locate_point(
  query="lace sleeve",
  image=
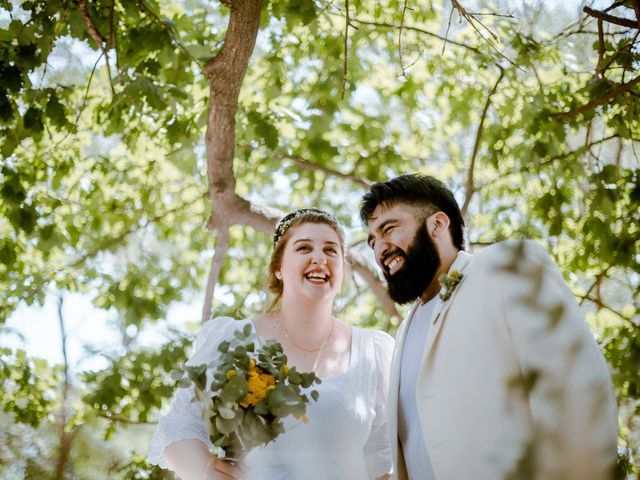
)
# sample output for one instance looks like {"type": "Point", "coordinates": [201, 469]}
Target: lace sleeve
{"type": "Point", "coordinates": [184, 419]}
{"type": "Point", "coordinates": [377, 450]}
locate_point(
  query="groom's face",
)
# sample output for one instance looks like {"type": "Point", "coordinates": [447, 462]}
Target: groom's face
{"type": "Point", "coordinates": [404, 251]}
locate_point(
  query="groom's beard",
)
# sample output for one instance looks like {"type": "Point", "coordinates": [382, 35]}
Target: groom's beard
{"type": "Point", "coordinates": [421, 262]}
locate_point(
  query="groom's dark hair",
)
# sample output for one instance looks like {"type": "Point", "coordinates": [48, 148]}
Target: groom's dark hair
{"type": "Point", "coordinates": [421, 191]}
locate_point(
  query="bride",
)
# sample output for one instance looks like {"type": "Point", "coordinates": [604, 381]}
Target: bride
{"type": "Point", "coordinates": [346, 435]}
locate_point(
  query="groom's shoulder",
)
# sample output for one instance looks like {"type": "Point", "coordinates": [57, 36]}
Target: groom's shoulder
{"type": "Point", "coordinates": [510, 248]}
{"type": "Point", "coordinates": [509, 252]}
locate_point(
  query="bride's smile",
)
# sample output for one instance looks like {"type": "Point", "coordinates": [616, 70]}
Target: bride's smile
{"type": "Point", "coordinates": [312, 263]}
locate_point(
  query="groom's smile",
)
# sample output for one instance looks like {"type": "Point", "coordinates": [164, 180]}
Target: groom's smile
{"type": "Point", "coordinates": [393, 261]}
{"type": "Point", "coordinates": [403, 250]}
{"type": "Point", "coordinates": [391, 232]}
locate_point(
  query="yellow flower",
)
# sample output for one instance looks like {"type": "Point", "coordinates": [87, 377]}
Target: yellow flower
{"type": "Point", "coordinates": [285, 369]}
{"type": "Point", "coordinates": [258, 383]}
{"type": "Point", "coordinates": [268, 379]}
{"type": "Point", "coordinates": [230, 374]}
{"type": "Point", "coordinates": [252, 363]}
{"type": "Point", "coordinates": [248, 401]}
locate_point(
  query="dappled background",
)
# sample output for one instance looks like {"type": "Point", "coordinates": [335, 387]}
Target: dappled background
{"type": "Point", "coordinates": [148, 147]}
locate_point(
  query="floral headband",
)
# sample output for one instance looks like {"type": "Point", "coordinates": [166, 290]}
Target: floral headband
{"type": "Point", "coordinates": [286, 221]}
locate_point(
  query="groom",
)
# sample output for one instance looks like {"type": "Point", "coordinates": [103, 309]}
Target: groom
{"type": "Point", "coordinates": [495, 374]}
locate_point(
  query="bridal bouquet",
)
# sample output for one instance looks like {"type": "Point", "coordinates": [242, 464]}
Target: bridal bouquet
{"type": "Point", "coordinates": [252, 390]}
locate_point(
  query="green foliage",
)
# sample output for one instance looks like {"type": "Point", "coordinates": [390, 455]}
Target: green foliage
{"type": "Point", "coordinates": [624, 357]}
{"type": "Point", "coordinates": [103, 177]}
{"type": "Point", "coordinates": [135, 384]}
{"type": "Point", "coordinates": [28, 387]}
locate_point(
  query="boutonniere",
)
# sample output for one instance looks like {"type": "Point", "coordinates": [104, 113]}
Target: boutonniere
{"type": "Point", "coordinates": [449, 283]}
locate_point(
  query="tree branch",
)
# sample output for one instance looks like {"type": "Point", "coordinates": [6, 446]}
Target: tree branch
{"type": "Point", "coordinates": [614, 92]}
{"type": "Point", "coordinates": [446, 33]}
{"type": "Point", "coordinates": [103, 45]}
{"type": "Point", "coordinates": [470, 185]}
{"type": "Point", "coordinates": [580, 150]}
{"type": "Point", "coordinates": [404, 10]}
{"type": "Point", "coordinates": [601, 50]}
{"type": "Point", "coordinates": [417, 30]}
{"type": "Point", "coordinates": [596, 282]}
{"type": "Point", "coordinates": [471, 19]}
{"type": "Point", "coordinates": [63, 339]}
{"type": "Point", "coordinates": [222, 244]}
{"type": "Point", "coordinates": [307, 165]}
{"type": "Point", "coordinates": [113, 38]}
{"type": "Point", "coordinates": [226, 72]}
{"type": "Point", "coordinates": [623, 22]}
{"type": "Point", "coordinates": [636, 8]}
{"type": "Point", "coordinates": [601, 304]}
{"type": "Point", "coordinates": [346, 48]}
{"type": "Point", "coordinates": [239, 211]}
{"type": "Point", "coordinates": [83, 105]}
{"type": "Point", "coordinates": [66, 438]}
{"type": "Point", "coordinates": [91, 28]}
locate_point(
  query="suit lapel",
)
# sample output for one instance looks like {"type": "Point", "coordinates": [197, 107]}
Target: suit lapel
{"type": "Point", "coordinates": [441, 307]}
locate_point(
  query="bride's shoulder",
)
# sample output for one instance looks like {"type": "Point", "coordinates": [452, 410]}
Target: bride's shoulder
{"type": "Point", "coordinates": [381, 340]}
{"type": "Point", "coordinates": [216, 328]}
{"type": "Point", "coordinates": [379, 348]}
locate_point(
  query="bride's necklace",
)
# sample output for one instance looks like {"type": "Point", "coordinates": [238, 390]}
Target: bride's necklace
{"type": "Point", "coordinates": [314, 350]}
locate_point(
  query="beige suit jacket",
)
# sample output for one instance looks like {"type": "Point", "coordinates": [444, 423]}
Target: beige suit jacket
{"type": "Point", "coordinates": [512, 383]}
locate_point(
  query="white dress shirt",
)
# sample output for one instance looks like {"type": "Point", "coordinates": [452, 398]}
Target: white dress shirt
{"type": "Point", "coordinates": [414, 449]}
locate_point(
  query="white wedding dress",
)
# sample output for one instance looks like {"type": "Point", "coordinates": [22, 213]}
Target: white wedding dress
{"type": "Point", "coordinates": [345, 438]}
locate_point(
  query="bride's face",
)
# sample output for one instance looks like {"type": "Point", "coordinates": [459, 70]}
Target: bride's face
{"type": "Point", "coordinates": [312, 263]}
